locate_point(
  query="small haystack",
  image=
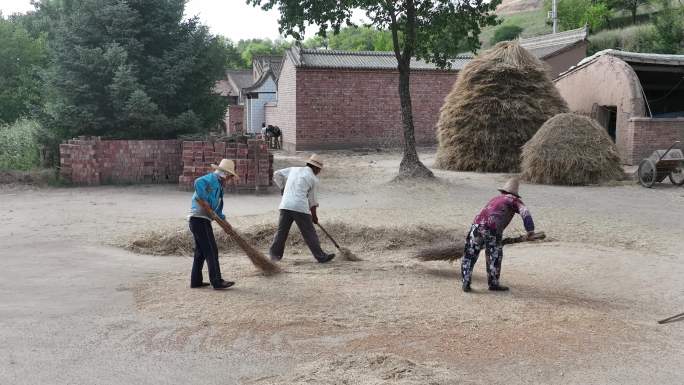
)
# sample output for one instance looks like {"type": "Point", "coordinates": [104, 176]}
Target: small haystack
{"type": "Point", "coordinates": [571, 149]}
{"type": "Point", "coordinates": [498, 102]}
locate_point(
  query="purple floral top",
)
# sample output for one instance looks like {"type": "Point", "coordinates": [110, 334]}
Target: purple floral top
{"type": "Point", "coordinates": [499, 212]}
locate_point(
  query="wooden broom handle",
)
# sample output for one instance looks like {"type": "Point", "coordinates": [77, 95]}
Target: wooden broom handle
{"type": "Point", "coordinates": [329, 236]}
{"type": "Point", "coordinates": [222, 222]}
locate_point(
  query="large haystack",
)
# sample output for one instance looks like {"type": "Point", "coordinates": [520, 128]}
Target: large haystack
{"type": "Point", "coordinates": [571, 149]}
{"type": "Point", "coordinates": [498, 102]}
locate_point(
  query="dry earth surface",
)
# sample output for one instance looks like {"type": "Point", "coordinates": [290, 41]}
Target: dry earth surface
{"type": "Point", "coordinates": [77, 309]}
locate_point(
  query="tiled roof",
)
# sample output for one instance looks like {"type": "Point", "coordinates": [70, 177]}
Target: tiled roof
{"type": "Point", "coordinates": [321, 58]}
{"type": "Point", "coordinates": [261, 63]}
{"type": "Point", "coordinates": [635, 57]}
{"type": "Point", "coordinates": [239, 79]}
{"type": "Point", "coordinates": [540, 46]}
{"type": "Point", "coordinates": [546, 45]}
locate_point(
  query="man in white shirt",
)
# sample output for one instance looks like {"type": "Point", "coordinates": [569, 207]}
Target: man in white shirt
{"type": "Point", "coordinates": [299, 187]}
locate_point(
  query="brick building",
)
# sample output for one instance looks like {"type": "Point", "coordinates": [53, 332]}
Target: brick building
{"type": "Point", "coordinates": [328, 99]}
{"type": "Point", "coordinates": [638, 98]}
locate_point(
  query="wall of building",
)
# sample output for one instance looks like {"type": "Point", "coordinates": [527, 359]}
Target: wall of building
{"type": "Point", "coordinates": [608, 81]}
{"type": "Point", "coordinates": [283, 113]}
{"type": "Point", "coordinates": [338, 109]}
{"type": "Point", "coordinates": [254, 107]}
{"type": "Point", "coordinates": [566, 59]}
{"type": "Point", "coordinates": [650, 134]}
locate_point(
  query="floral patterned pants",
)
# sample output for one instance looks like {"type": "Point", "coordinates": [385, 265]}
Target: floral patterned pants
{"type": "Point", "coordinates": [479, 237]}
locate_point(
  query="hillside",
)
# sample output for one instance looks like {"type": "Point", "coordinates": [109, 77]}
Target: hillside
{"type": "Point", "coordinates": [508, 7]}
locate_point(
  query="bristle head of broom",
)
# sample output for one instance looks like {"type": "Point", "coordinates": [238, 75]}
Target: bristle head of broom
{"type": "Point", "coordinates": [348, 255]}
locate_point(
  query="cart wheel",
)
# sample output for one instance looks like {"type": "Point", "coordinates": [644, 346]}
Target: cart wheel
{"type": "Point", "coordinates": [677, 176]}
{"type": "Point", "coordinates": [647, 173]}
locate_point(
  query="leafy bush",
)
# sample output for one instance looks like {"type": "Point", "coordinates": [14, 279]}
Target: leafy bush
{"type": "Point", "coordinates": [576, 13]}
{"type": "Point", "coordinates": [669, 29]}
{"type": "Point", "coordinates": [637, 38]}
{"type": "Point", "coordinates": [19, 149]}
{"type": "Point", "coordinates": [506, 32]}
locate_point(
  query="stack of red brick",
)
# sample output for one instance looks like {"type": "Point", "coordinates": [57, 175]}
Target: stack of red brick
{"type": "Point", "coordinates": [253, 163]}
{"type": "Point", "coordinates": [92, 161]}
{"type": "Point", "coordinates": [78, 162]}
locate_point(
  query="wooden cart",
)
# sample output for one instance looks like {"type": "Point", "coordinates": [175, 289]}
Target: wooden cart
{"type": "Point", "coordinates": [662, 163]}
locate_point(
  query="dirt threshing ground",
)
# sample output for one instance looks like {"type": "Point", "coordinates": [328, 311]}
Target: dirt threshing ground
{"type": "Point", "coordinates": [76, 309]}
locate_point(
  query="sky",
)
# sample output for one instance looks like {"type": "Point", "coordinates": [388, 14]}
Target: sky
{"type": "Point", "coordinates": [233, 19]}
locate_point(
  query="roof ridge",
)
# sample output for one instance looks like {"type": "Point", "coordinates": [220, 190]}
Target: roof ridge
{"type": "Point", "coordinates": [318, 51]}
{"type": "Point", "coordinates": [334, 52]}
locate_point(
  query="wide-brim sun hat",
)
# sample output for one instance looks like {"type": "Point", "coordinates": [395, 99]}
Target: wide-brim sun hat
{"type": "Point", "coordinates": [511, 187]}
{"type": "Point", "coordinates": [227, 166]}
{"type": "Point", "coordinates": [315, 161]}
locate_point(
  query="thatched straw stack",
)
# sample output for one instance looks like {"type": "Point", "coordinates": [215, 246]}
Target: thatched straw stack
{"type": "Point", "coordinates": [571, 149]}
{"type": "Point", "coordinates": [498, 102]}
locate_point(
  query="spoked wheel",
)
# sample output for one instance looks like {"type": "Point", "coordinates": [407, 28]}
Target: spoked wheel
{"type": "Point", "coordinates": [647, 173]}
{"type": "Point", "coordinates": [677, 176]}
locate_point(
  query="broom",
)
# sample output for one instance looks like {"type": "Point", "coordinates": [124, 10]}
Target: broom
{"type": "Point", "coordinates": [453, 251]}
{"type": "Point", "coordinates": [258, 259]}
{"type": "Point", "coordinates": [344, 252]}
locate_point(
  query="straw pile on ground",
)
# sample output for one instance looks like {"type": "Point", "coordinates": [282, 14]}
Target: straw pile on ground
{"type": "Point", "coordinates": [571, 149]}
{"type": "Point", "coordinates": [179, 241]}
{"type": "Point", "coordinates": [498, 102]}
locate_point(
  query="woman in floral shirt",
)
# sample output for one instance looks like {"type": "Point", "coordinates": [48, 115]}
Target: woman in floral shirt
{"type": "Point", "coordinates": [486, 231]}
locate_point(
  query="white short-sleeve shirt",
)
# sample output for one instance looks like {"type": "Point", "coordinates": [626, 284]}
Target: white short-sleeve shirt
{"type": "Point", "coordinates": [299, 186]}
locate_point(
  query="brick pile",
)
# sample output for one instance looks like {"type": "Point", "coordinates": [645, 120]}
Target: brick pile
{"type": "Point", "coordinates": [253, 163]}
{"type": "Point", "coordinates": [78, 162]}
{"type": "Point", "coordinates": [92, 161]}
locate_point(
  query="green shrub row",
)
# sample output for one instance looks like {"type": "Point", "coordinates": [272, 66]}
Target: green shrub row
{"type": "Point", "coordinates": [19, 147]}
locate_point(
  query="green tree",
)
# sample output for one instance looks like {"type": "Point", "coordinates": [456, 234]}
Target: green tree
{"type": "Point", "coordinates": [506, 32]}
{"type": "Point", "coordinates": [131, 69]}
{"type": "Point", "coordinates": [233, 56]}
{"type": "Point", "coordinates": [668, 28]}
{"type": "Point", "coordinates": [434, 30]}
{"type": "Point", "coordinates": [628, 5]}
{"type": "Point", "coordinates": [252, 47]}
{"type": "Point", "coordinates": [21, 58]}
{"type": "Point", "coordinates": [578, 13]}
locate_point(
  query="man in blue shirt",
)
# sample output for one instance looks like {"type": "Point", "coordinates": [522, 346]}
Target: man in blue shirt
{"type": "Point", "coordinates": [210, 189]}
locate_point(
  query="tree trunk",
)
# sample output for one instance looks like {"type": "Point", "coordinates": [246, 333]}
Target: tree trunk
{"type": "Point", "coordinates": [634, 14]}
{"type": "Point", "coordinates": [410, 166]}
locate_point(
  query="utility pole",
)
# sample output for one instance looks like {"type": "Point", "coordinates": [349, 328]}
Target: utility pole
{"type": "Point", "coordinates": [554, 17]}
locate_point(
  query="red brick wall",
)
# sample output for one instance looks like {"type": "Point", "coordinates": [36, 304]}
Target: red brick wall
{"type": "Point", "coordinates": [91, 161]}
{"type": "Point", "coordinates": [253, 163]}
{"type": "Point", "coordinates": [234, 119]}
{"type": "Point", "coordinates": [648, 134]}
{"type": "Point", "coordinates": [344, 109]}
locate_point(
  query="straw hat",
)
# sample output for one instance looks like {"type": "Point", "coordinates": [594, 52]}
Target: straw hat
{"type": "Point", "coordinates": [511, 187]}
{"type": "Point", "coordinates": [227, 166]}
{"type": "Point", "coordinates": [316, 161]}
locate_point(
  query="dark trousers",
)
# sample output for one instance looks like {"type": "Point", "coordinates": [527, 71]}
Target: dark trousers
{"type": "Point", "coordinates": [305, 224]}
{"type": "Point", "coordinates": [480, 237]}
{"type": "Point", "coordinates": [205, 250]}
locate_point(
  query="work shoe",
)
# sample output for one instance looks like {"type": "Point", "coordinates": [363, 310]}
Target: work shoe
{"type": "Point", "coordinates": [224, 285]}
{"type": "Point", "coordinates": [203, 284]}
{"type": "Point", "coordinates": [466, 287]}
{"type": "Point", "coordinates": [327, 258]}
{"type": "Point", "coordinates": [498, 288]}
